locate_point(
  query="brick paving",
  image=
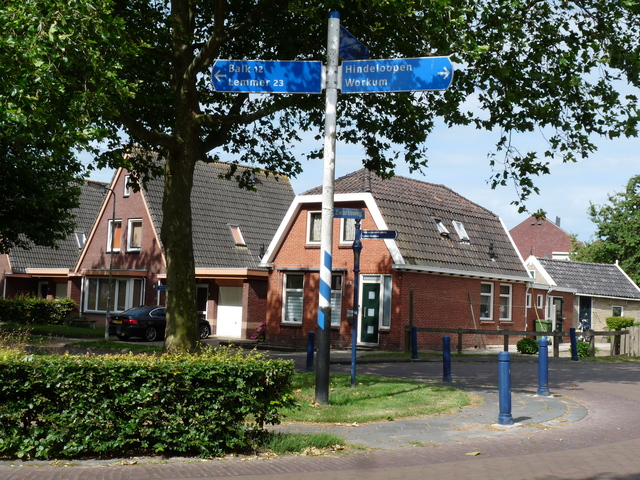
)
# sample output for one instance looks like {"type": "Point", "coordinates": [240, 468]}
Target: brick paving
{"type": "Point", "coordinates": [589, 430]}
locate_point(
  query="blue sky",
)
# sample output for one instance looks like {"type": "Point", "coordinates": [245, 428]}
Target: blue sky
{"type": "Point", "coordinates": [458, 159]}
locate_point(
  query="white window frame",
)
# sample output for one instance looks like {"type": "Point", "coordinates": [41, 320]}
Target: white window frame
{"type": "Point", "coordinates": [442, 230]}
{"type": "Point", "coordinates": [540, 301]}
{"type": "Point", "coordinates": [529, 300]}
{"type": "Point", "coordinates": [110, 229]}
{"type": "Point", "coordinates": [461, 231]}
{"type": "Point", "coordinates": [127, 186]}
{"type": "Point", "coordinates": [508, 297]}
{"type": "Point", "coordinates": [81, 239]}
{"type": "Point", "coordinates": [347, 225]}
{"type": "Point", "coordinates": [489, 297]}
{"type": "Point", "coordinates": [613, 307]}
{"type": "Point", "coordinates": [310, 216]}
{"type": "Point", "coordinates": [286, 292]}
{"type": "Point", "coordinates": [337, 280]}
{"type": "Point", "coordinates": [119, 283]}
{"type": "Point", "coordinates": [238, 238]}
{"type": "Point", "coordinates": [131, 248]}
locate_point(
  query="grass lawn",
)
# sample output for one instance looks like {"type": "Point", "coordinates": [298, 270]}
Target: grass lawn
{"type": "Point", "coordinates": [373, 399]}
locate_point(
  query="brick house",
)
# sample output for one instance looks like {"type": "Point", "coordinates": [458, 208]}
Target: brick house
{"type": "Point", "coordinates": [231, 229]}
{"type": "Point", "coordinates": [541, 238]}
{"type": "Point", "coordinates": [48, 272]}
{"type": "Point", "coordinates": [568, 291]}
{"type": "Point", "coordinates": [453, 265]}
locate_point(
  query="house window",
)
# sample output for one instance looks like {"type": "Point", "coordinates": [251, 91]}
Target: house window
{"type": "Point", "coordinates": [81, 239]}
{"type": "Point", "coordinates": [237, 235]}
{"type": "Point", "coordinates": [529, 300]}
{"type": "Point", "coordinates": [314, 224]}
{"type": "Point", "coordinates": [348, 230]}
{"type": "Point", "coordinates": [134, 235]}
{"type": "Point", "coordinates": [115, 230]}
{"type": "Point", "coordinates": [460, 230]}
{"type": "Point", "coordinates": [292, 298]}
{"type": "Point", "coordinates": [617, 311]}
{"type": "Point", "coordinates": [540, 302]}
{"type": "Point", "coordinates": [486, 301]}
{"type": "Point", "coordinates": [127, 186]}
{"type": "Point", "coordinates": [442, 230]}
{"type": "Point", "coordinates": [532, 274]}
{"type": "Point", "coordinates": [336, 300]}
{"type": "Point", "coordinates": [125, 293]}
{"type": "Point", "coordinates": [505, 303]}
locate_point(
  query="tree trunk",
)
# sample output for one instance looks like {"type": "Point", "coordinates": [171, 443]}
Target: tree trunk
{"type": "Point", "coordinates": [182, 330]}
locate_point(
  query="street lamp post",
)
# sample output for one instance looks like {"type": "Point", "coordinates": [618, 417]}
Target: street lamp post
{"type": "Point", "coordinates": [113, 228]}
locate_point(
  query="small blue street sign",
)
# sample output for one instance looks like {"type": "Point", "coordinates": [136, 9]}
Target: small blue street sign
{"type": "Point", "coordinates": [356, 213]}
{"type": "Point", "coordinates": [379, 234]}
{"type": "Point", "coordinates": [256, 76]}
{"type": "Point", "coordinates": [396, 75]}
{"type": "Point", "coordinates": [161, 287]}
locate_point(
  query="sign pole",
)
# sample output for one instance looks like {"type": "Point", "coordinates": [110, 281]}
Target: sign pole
{"type": "Point", "coordinates": [357, 248]}
{"type": "Point", "coordinates": [326, 238]}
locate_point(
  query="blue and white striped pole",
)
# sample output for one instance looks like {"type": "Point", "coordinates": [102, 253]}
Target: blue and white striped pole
{"type": "Point", "coordinates": [326, 235]}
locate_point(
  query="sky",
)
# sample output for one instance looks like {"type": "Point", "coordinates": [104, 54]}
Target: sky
{"type": "Point", "coordinates": [458, 159]}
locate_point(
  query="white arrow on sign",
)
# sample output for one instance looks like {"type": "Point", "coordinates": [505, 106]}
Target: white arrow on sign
{"type": "Point", "coordinates": [445, 74]}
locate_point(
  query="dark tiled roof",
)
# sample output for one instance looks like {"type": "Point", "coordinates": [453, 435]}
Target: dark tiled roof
{"type": "Point", "coordinates": [409, 206]}
{"type": "Point", "coordinates": [591, 279]}
{"type": "Point", "coordinates": [216, 203]}
{"type": "Point", "coordinates": [66, 255]}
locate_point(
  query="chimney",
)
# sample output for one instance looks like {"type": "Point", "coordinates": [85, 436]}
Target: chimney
{"type": "Point", "coordinates": [558, 222]}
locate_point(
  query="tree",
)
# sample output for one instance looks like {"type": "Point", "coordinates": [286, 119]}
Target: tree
{"type": "Point", "coordinates": [617, 227]}
{"type": "Point", "coordinates": [520, 66]}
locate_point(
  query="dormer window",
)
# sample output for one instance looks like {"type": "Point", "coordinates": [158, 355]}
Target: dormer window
{"type": "Point", "coordinates": [237, 235]}
{"type": "Point", "coordinates": [462, 233]}
{"type": "Point", "coordinates": [441, 228]}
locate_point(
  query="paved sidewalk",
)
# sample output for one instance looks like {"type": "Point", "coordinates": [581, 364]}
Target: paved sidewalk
{"type": "Point", "coordinates": [587, 429]}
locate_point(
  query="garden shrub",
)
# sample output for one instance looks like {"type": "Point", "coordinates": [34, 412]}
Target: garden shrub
{"type": "Point", "coordinates": [527, 345]}
{"type": "Point", "coordinates": [583, 349]}
{"type": "Point", "coordinates": [105, 406]}
{"type": "Point", "coordinates": [29, 310]}
{"type": "Point", "coordinates": [618, 323]}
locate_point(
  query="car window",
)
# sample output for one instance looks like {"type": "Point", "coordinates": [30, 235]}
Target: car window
{"type": "Point", "coordinates": [158, 312]}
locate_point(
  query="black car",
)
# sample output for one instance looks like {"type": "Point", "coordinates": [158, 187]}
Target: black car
{"type": "Point", "coordinates": [146, 322]}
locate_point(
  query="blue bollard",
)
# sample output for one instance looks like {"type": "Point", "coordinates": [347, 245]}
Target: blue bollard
{"type": "Point", "coordinates": [504, 388]}
{"type": "Point", "coordinates": [574, 344]}
{"type": "Point", "coordinates": [310, 347]}
{"type": "Point", "coordinates": [543, 367]}
{"type": "Point", "coordinates": [414, 343]}
{"type": "Point", "coordinates": [446, 358]}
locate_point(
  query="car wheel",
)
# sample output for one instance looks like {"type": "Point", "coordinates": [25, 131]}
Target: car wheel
{"type": "Point", "coordinates": [151, 334]}
{"type": "Point", "coordinates": [205, 331]}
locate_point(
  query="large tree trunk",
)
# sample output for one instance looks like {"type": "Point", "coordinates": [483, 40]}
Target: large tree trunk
{"type": "Point", "coordinates": [182, 330]}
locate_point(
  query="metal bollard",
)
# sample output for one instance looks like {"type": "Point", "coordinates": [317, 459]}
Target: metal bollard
{"type": "Point", "coordinates": [446, 358]}
{"type": "Point", "coordinates": [543, 367]}
{"type": "Point", "coordinates": [311, 336]}
{"type": "Point", "coordinates": [414, 343]}
{"type": "Point", "coordinates": [574, 344]}
{"type": "Point", "coordinates": [504, 388]}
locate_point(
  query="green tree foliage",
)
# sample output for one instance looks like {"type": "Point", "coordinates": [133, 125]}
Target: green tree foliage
{"type": "Point", "coordinates": [140, 71]}
{"type": "Point", "coordinates": [617, 236]}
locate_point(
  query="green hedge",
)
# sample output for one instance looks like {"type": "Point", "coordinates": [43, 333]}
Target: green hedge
{"type": "Point", "coordinates": [106, 406]}
{"type": "Point", "coordinates": [618, 323]}
{"type": "Point", "coordinates": [29, 310]}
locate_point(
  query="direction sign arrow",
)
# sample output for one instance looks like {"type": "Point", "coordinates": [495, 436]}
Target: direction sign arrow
{"type": "Point", "coordinates": [379, 234]}
{"type": "Point", "coordinates": [396, 75]}
{"type": "Point", "coordinates": [356, 213]}
{"type": "Point", "coordinates": [256, 76]}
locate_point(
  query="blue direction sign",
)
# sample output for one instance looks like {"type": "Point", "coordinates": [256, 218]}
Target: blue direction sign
{"type": "Point", "coordinates": [379, 234]}
{"type": "Point", "coordinates": [356, 213]}
{"type": "Point", "coordinates": [396, 75]}
{"type": "Point", "coordinates": [256, 76]}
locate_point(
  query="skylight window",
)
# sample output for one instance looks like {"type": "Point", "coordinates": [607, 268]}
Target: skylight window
{"type": "Point", "coordinates": [81, 239]}
{"type": "Point", "coordinates": [441, 228]}
{"type": "Point", "coordinates": [237, 235]}
{"type": "Point", "coordinates": [460, 230]}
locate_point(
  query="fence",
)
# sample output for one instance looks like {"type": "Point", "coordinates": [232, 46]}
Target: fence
{"type": "Point", "coordinates": [619, 338]}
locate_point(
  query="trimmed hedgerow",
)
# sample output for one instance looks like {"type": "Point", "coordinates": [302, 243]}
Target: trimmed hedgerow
{"type": "Point", "coordinates": [29, 310]}
{"type": "Point", "coordinates": [618, 323]}
{"type": "Point", "coordinates": [527, 345]}
{"type": "Point", "coordinates": [105, 406]}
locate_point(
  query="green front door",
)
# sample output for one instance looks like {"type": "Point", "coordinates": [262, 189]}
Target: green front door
{"type": "Point", "coordinates": [370, 318]}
